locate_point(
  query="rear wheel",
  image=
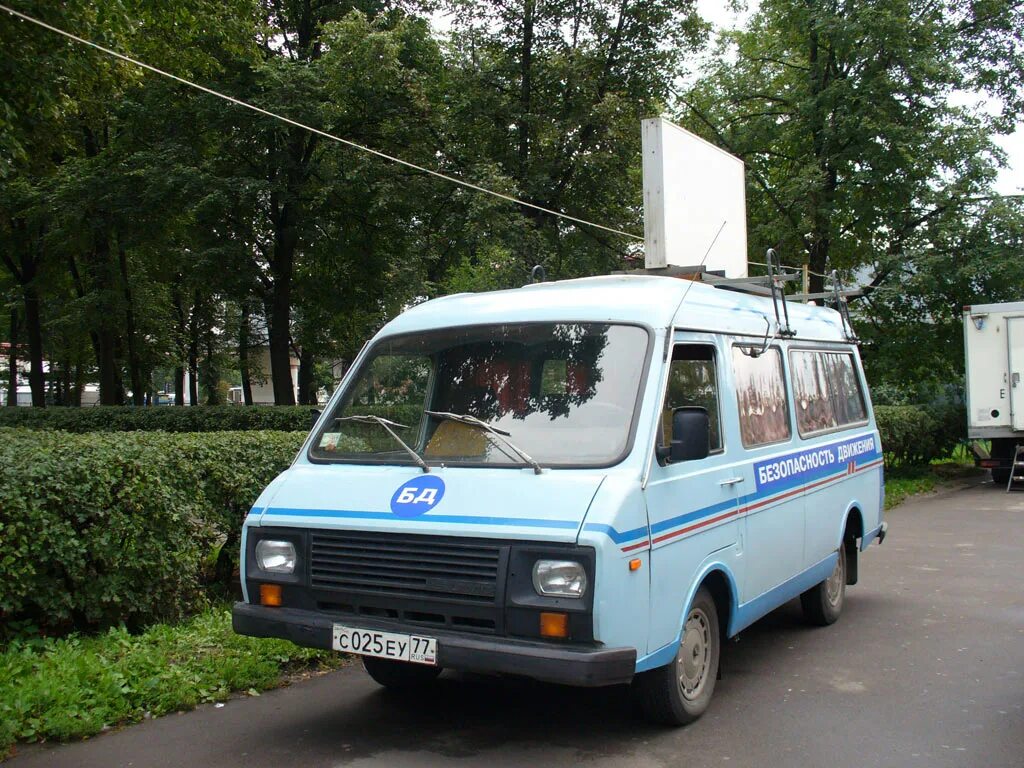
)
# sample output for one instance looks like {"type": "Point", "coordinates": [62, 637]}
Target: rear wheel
{"type": "Point", "coordinates": [680, 692]}
{"type": "Point", "coordinates": [823, 602]}
{"type": "Point", "coordinates": [400, 675]}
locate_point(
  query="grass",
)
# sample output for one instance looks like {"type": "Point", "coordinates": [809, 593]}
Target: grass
{"type": "Point", "coordinates": [904, 482]}
{"type": "Point", "coordinates": [78, 686]}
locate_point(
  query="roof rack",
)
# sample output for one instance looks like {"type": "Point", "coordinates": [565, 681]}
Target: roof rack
{"type": "Point", "coordinates": [771, 285]}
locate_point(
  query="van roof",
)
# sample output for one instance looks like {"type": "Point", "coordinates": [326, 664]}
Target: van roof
{"type": "Point", "coordinates": [645, 299]}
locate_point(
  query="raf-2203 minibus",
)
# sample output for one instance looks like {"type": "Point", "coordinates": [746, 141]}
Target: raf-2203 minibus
{"type": "Point", "coordinates": [590, 482]}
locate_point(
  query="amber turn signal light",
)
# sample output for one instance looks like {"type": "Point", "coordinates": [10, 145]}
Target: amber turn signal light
{"type": "Point", "coordinates": [635, 563]}
{"type": "Point", "coordinates": [554, 625]}
{"type": "Point", "coordinates": [270, 594]}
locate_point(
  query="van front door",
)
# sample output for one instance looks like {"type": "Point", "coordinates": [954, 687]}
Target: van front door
{"type": "Point", "coordinates": [1015, 345]}
{"type": "Point", "coordinates": [691, 505]}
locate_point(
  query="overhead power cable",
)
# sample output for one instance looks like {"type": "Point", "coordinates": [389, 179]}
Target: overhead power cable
{"type": "Point", "coordinates": [311, 129]}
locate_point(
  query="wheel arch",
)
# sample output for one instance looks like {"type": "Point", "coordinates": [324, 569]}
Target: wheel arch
{"type": "Point", "coordinates": [723, 587]}
{"type": "Point", "coordinates": [852, 530]}
{"type": "Point", "coordinates": [855, 518]}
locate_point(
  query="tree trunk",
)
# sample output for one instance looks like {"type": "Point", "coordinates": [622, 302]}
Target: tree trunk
{"type": "Point", "coordinates": [524, 125]}
{"type": "Point", "coordinates": [134, 367]}
{"type": "Point", "coordinates": [107, 364]}
{"type": "Point", "coordinates": [106, 337]}
{"type": "Point", "coordinates": [243, 354]}
{"type": "Point", "coordinates": [280, 346]}
{"type": "Point", "coordinates": [210, 374]}
{"type": "Point", "coordinates": [12, 363]}
{"type": "Point", "coordinates": [79, 385]}
{"type": "Point", "coordinates": [179, 342]}
{"type": "Point", "coordinates": [193, 351]}
{"type": "Point", "coordinates": [33, 327]}
{"type": "Point", "coordinates": [66, 383]}
{"type": "Point", "coordinates": [307, 385]}
{"type": "Point", "coordinates": [193, 362]}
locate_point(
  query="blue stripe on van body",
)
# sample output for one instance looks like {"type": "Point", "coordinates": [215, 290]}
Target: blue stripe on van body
{"type": "Point", "coordinates": [638, 537]}
{"type": "Point", "coordinates": [351, 514]}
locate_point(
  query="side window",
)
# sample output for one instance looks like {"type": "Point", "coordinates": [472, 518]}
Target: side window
{"type": "Point", "coordinates": [760, 396]}
{"type": "Point", "coordinates": [692, 380]}
{"type": "Point", "coordinates": [827, 390]}
{"type": "Point", "coordinates": [847, 395]}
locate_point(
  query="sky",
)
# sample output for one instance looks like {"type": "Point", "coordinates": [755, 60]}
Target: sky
{"type": "Point", "coordinates": [1010, 180]}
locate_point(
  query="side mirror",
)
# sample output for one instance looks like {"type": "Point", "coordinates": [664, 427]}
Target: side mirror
{"type": "Point", "coordinates": [314, 415]}
{"type": "Point", "coordinates": [691, 434]}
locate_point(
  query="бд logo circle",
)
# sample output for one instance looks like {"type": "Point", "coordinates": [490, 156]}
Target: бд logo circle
{"type": "Point", "coordinates": [417, 496]}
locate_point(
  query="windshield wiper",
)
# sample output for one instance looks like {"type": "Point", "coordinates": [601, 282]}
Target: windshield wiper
{"type": "Point", "coordinates": [500, 434]}
{"type": "Point", "coordinates": [369, 419]}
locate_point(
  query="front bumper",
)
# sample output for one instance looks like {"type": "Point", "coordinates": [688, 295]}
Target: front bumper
{"type": "Point", "coordinates": [569, 664]}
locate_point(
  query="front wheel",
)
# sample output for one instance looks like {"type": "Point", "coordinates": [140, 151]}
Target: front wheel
{"type": "Point", "coordinates": [823, 602]}
{"type": "Point", "coordinates": [679, 693]}
{"type": "Point", "coordinates": [400, 675]}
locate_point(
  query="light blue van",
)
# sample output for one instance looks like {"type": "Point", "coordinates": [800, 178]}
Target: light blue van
{"type": "Point", "coordinates": [590, 482]}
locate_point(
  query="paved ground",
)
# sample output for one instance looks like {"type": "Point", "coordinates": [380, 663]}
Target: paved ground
{"type": "Point", "coordinates": [925, 667]}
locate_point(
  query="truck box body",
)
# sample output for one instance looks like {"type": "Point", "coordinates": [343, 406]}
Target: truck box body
{"type": "Point", "coordinates": [994, 347]}
{"type": "Point", "coordinates": [994, 350]}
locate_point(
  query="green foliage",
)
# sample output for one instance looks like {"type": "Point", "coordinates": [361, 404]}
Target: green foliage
{"type": "Point", "coordinates": [104, 528]}
{"type": "Point", "coordinates": [914, 435]}
{"type": "Point", "coordinates": [850, 119]}
{"type": "Point", "coordinates": [163, 418]}
{"type": "Point", "coordinates": [912, 322]}
{"type": "Point", "coordinates": [72, 688]}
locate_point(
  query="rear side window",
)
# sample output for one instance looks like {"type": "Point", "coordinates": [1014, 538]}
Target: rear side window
{"type": "Point", "coordinates": [827, 391]}
{"type": "Point", "coordinates": [761, 396]}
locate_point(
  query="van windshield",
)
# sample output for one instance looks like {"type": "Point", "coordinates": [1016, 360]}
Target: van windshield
{"type": "Point", "coordinates": [563, 393]}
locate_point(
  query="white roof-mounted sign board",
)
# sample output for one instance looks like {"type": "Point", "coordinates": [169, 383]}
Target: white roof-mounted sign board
{"type": "Point", "coordinates": [694, 202]}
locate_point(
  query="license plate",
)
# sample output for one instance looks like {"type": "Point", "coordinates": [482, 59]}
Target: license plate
{"type": "Point", "coordinates": [385, 645]}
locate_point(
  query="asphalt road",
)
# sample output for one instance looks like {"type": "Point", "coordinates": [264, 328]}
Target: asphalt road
{"type": "Point", "coordinates": [925, 667]}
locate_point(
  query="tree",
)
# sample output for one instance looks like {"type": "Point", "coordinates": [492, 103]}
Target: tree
{"type": "Point", "coordinates": [64, 166]}
{"type": "Point", "coordinates": [912, 323]}
{"type": "Point", "coordinates": [545, 103]}
{"type": "Point", "coordinates": [845, 114]}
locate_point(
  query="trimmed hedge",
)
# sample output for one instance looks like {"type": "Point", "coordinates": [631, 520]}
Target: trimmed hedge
{"type": "Point", "coordinates": [127, 418]}
{"type": "Point", "coordinates": [914, 435]}
{"type": "Point", "coordinates": [105, 528]}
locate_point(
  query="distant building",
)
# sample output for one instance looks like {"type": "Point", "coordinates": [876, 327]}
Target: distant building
{"type": "Point", "coordinates": [262, 383]}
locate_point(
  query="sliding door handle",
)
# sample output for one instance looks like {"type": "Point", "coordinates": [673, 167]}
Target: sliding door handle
{"type": "Point", "coordinates": [730, 481]}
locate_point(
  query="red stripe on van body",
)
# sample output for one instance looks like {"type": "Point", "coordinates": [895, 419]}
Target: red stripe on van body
{"type": "Point", "coordinates": [758, 505]}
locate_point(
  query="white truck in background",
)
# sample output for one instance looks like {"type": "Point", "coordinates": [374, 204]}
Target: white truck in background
{"type": "Point", "coordinates": [994, 350]}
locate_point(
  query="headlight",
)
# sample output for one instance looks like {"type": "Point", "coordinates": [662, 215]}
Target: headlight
{"type": "Point", "coordinates": [275, 556]}
{"type": "Point", "coordinates": [559, 578]}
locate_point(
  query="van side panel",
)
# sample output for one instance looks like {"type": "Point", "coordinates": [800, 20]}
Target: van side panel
{"type": "Point", "coordinates": [616, 526]}
{"type": "Point", "coordinates": [829, 503]}
{"type": "Point", "coordinates": [675, 568]}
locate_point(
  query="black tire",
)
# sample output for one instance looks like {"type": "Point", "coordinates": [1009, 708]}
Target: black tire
{"type": "Point", "coordinates": [823, 602]}
{"type": "Point", "coordinates": [400, 675]}
{"type": "Point", "coordinates": [679, 693]}
{"type": "Point", "coordinates": [1000, 476]}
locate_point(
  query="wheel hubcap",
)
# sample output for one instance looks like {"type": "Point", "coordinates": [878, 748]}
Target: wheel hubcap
{"type": "Point", "coordinates": [834, 584]}
{"type": "Point", "coordinates": [694, 655]}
